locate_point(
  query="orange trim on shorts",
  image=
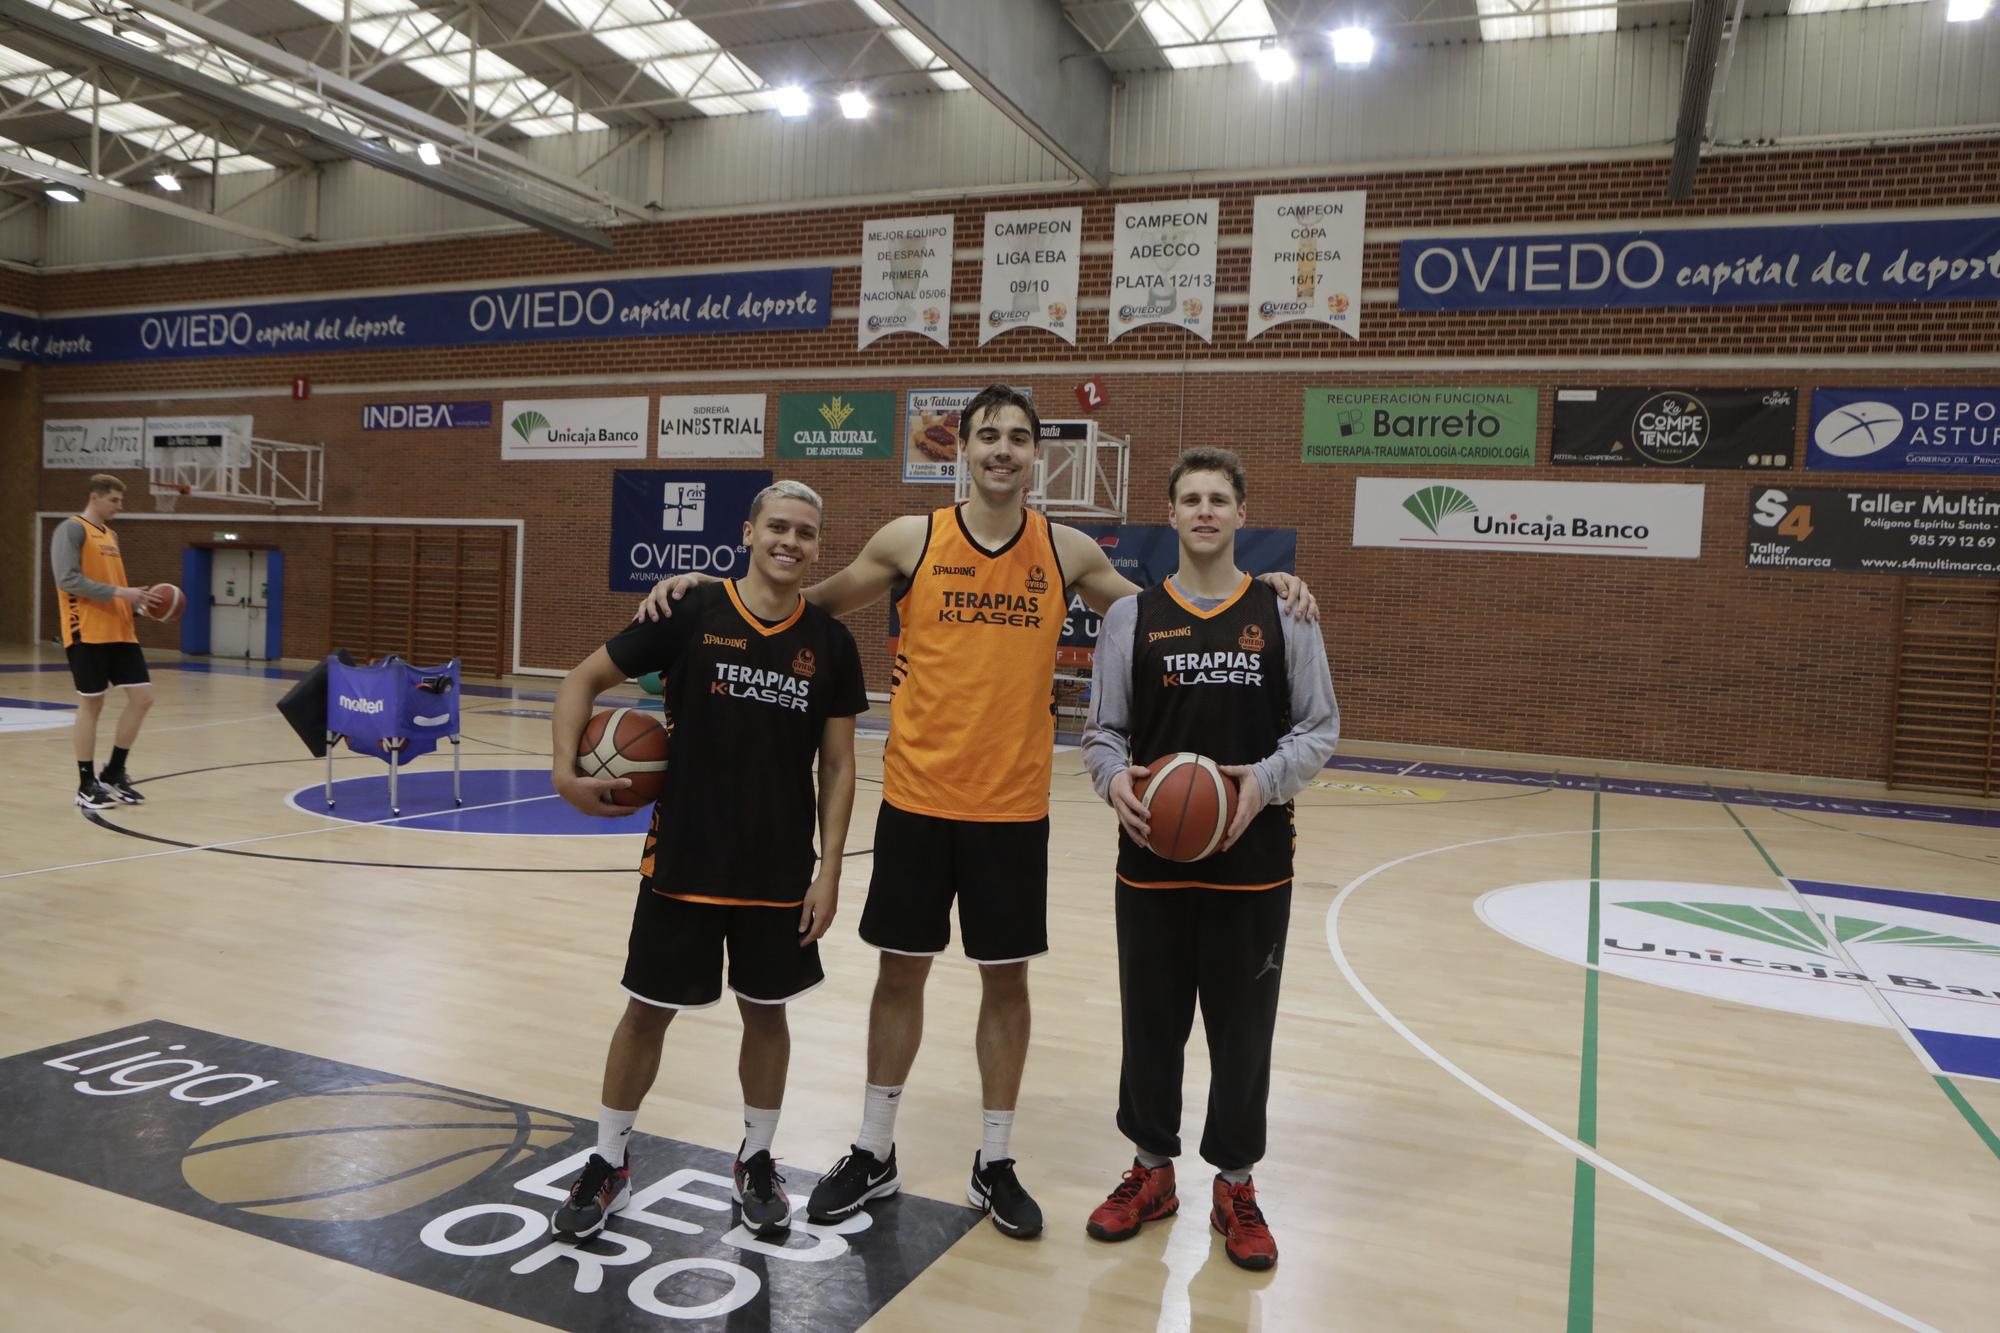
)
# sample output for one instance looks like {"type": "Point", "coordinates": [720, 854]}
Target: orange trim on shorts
{"type": "Point", "coordinates": [1193, 610]}
{"type": "Point", "coordinates": [1199, 884]}
{"type": "Point", "coordinates": [755, 623]}
{"type": "Point", "coordinates": [726, 902]}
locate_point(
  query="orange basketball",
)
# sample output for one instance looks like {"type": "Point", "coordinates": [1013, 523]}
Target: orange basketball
{"type": "Point", "coordinates": [1188, 806]}
{"type": "Point", "coordinates": [163, 602]}
{"type": "Point", "coordinates": [625, 743]}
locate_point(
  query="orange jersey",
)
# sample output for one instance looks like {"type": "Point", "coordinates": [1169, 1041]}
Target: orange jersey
{"type": "Point", "coordinates": [972, 707]}
{"type": "Point", "coordinates": [84, 619]}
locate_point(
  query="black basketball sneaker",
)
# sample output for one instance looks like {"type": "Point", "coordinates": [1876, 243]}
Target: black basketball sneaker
{"type": "Point", "coordinates": [854, 1180]}
{"type": "Point", "coordinates": [599, 1191]}
{"type": "Point", "coordinates": [121, 787]}
{"type": "Point", "coordinates": [997, 1191]}
{"type": "Point", "coordinates": [767, 1209]}
{"type": "Point", "coordinates": [94, 795]}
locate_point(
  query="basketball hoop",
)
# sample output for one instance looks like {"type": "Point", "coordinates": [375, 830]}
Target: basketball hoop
{"type": "Point", "coordinates": [168, 494]}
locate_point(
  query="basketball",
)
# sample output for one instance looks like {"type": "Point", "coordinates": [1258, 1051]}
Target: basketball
{"type": "Point", "coordinates": [1188, 806]}
{"type": "Point", "coordinates": [625, 743]}
{"type": "Point", "coordinates": [163, 602]}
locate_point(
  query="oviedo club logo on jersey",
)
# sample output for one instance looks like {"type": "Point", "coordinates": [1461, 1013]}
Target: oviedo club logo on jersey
{"type": "Point", "coordinates": [1038, 580]}
{"type": "Point", "coordinates": [1933, 958]}
{"type": "Point", "coordinates": [803, 664]}
{"type": "Point", "coordinates": [442, 1188]}
{"type": "Point", "coordinates": [1252, 638]}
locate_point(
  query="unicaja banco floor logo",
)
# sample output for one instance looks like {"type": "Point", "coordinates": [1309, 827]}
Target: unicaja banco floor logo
{"type": "Point", "coordinates": [527, 424]}
{"type": "Point", "coordinates": [1789, 928]}
{"type": "Point", "coordinates": [1434, 504]}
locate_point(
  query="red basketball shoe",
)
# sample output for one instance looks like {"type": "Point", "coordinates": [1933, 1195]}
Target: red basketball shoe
{"type": "Point", "coordinates": [1244, 1235]}
{"type": "Point", "coordinates": [1146, 1194]}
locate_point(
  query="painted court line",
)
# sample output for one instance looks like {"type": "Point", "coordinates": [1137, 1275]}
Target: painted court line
{"type": "Point", "coordinates": [1583, 1206]}
{"type": "Point", "coordinates": [1583, 1152]}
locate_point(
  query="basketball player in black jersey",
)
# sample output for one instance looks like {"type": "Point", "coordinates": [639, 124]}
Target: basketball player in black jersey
{"type": "Point", "coordinates": [758, 682]}
{"type": "Point", "coordinates": [1204, 663]}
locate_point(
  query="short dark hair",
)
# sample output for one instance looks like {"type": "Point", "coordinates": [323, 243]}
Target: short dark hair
{"type": "Point", "coordinates": [1207, 458]}
{"type": "Point", "coordinates": [103, 483]}
{"type": "Point", "coordinates": [996, 396]}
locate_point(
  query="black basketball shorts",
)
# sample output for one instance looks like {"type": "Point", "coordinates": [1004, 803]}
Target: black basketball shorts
{"type": "Point", "coordinates": [998, 872]}
{"type": "Point", "coordinates": [96, 667]}
{"type": "Point", "coordinates": [674, 959]}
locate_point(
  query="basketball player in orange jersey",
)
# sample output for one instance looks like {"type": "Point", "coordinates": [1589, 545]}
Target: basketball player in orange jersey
{"type": "Point", "coordinates": [757, 682]}
{"type": "Point", "coordinates": [95, 610]}
{"type": "Point", "coordinates": [965, 785]}
{"type": "Point", "coordinates": [1204, 663]}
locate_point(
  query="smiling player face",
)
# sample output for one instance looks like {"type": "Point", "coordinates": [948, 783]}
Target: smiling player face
{"type": "Point", "coordinates": [1206, 514]}
{"type": "Point", "coordinates": [1000, 451]}
{"type": "Point", "coordinates": [783, 541]}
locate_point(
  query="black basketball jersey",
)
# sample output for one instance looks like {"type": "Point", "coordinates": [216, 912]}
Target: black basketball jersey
{"type": "Point", "coordinates": [1214, 683]}
{"type": "Point", "coordinates": [748, 699]}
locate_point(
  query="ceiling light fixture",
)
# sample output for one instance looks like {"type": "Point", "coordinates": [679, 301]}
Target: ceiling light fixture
{"type": "Point", "coordinates": [793, 102]}
{"type": "Point", "coordinates": [1967, 11]}
{"type": "Point", "coordinates": [854, 104]}
{"type": "Point", "coordinates": [62, 196]}
{"type": "Point", "coordinates": [427, 153]}
{"type": "Point", "coordinates": [166, 181]}
{"type": "Point", "coordinates": [1352, 47]}
{"type": "Point", "coordinates": [1275, 62]}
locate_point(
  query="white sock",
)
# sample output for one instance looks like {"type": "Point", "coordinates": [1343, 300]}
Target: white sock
{"type": "Point", "coordinates": [614, 1132]}
{"type": "Point", "coordinates": [1236, 1177]}
{"type": "Point", "coordinates": [878, 1120]}
{"type": "Point", "coordinates": [1152, 1161]}
{"type": "Point", "coordinates": [995, 1127]}
{"type": "Point", "coordinates": [760, 1127]}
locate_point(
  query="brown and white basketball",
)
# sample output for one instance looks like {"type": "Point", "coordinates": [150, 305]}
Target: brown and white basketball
{"type": "Point", "coordinates": [163, 601]}
{"type": "Point", "coordinates": [625, 743]}
{"type": "Point", "coordinates": [1189, 804]}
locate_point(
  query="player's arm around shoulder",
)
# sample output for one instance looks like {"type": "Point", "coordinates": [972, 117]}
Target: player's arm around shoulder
{"type": "Point", "coordinates": [580, 688]}
{"type": "Point", "coordinates": [1088, 570]}
{"type": "Point", "coordinates": [891, 554]}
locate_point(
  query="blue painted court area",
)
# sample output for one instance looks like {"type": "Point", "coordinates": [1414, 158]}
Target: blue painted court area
{"type": "Point", "coordinates": [513, 802]}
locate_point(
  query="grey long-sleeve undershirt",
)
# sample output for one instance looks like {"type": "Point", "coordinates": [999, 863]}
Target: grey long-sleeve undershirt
{"type": "Point", "coordinates": [66, 562]}
{"type": "Point", "coordinates": [1301, 752]}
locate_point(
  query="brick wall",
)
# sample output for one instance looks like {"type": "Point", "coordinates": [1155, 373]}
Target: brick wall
{"type": "Point", "coordinates": [1668, 661]}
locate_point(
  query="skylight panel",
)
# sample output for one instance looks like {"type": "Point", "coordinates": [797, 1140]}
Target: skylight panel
{"type": "Point", "coordinates": [1503, 21]}
{"type": "Point", "coordinates": [1191, 30]}
{"type": "Point", "coordinates": [915, 51]}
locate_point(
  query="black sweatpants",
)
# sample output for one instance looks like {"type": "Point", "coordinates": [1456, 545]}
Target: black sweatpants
{"type": "Point", "coordinates": [1225, 948]}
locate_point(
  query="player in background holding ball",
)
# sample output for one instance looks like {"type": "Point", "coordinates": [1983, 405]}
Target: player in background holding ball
{"type": "Point", "coordinates": [1204, 663]}
{"type": "Point", "coordinates": [757, 683]}
{"type": "Point", "coordinates": [94, 608]}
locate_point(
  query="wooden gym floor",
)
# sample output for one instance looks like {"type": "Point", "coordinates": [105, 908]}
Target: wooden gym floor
{"type": "Point", "coordinates": [1471, 1128]}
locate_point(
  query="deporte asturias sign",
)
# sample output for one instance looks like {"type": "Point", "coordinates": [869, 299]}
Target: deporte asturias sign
{"type": "Point", "coordinates": [1947, 260]}
{"type": "Point", "coordinates": [748, 302]}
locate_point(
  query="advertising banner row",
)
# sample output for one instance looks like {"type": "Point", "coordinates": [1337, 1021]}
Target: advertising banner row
{"type": "Point", "coordinates": [97, 444]}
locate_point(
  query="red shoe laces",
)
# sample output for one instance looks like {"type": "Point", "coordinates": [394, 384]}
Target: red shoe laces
{"type": "Point", "coordinates": [1129, 1187]}
{"type": "Point", "coordinates": [1249, 1216]}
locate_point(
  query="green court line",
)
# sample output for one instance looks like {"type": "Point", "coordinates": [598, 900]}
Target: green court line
{"type": "Point", "coordinates": [1583, 1206]}
{"type": "Point", "coordinates": [1951, 1089]}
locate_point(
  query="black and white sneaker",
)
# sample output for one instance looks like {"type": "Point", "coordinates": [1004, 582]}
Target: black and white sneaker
{"type": "Point", "coordinates": [94, 795]}
{"type": "Point", "coordinates": [854, 1180]}
{"type": "Point", "coordinates": [121, 787]}
{"type": "Point", "coordinates": [601, 1190]}
{"type": "Point", "coordinates": [996, 1190]}
{"type": "Point", "coordinates": [760, 1190]}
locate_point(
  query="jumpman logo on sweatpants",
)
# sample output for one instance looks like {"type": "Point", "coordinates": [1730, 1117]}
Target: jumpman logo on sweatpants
{"type": "Point", "coordinates": [1270, 964]}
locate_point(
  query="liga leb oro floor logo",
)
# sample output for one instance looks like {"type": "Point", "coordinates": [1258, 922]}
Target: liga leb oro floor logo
{"type": "Point", "coordinates": [446, 1189]}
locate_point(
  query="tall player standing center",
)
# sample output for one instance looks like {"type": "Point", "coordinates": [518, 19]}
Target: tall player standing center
{"type": "Point", "coordinates": [966, 773]}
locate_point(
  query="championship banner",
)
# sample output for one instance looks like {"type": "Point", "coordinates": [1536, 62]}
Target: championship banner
{"type": "Point", "coordinates": [1690, 428]}
{"type": "Point", "coordinates": [837, 425]}
{"type": "Point", "coordinates": [1954, 534]}
{"type": "Point", "coordinates": [1163, 266]}
{"type": "Point", "coordinates": [1905, 430]}
{"type": "Point", "coordinates": [666, 523]}
{"type": "Point", "coordinates": [906, 278]}
{"type": "Point", "coordinates": [1028, 277]}
{"type": "Point", "coordinates": [1147, 554]}
{"type": "Point", "coordinates": [94, 443]}
{"type": "Point", "coordinates": [716, 425]}
{"type": "Point", "coordinates": [760, 301]}
{"type": "Point", "coordinates": [1532, 517]}
{"type": "Point", "coordinates": [1305, 260]}
{"type": "Point", "coordinates": [1418, 426]}
{"type": "Point", "coordinates": [1955, 259]}
{"type": "Point", "coordinates": [543, 428]}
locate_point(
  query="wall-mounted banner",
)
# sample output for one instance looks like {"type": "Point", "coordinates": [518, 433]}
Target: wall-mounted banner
{"type": "Point", "coordinates": [930, 433]}
{"type": "Point", "coordinates": [837, 425]}
{"type": "Point", "coordinates": [573, 428]}
{"type": "Point", "coordinates": [716, 425]}
{"type": "Point", "coordinates": [1950, 533]}
{"type": "Point", "coordinates": [1305, 260]}
{"type": "Point", "coordinates": [1536, 517]}
{"type": "Point", "coordinates": [1163, 266]}
{"type": "Point", "coordinates": [1028, 279]}
{"type": "Point", "coordinates": [752, 302]}
{"type": "Point", "coordinates": [1952, 260]}
{"type": "Point", "coordinates": [906, 278]}
{"type": "Point", "coordinates": [1905, 430]}
{"type": "Point", "coordinates": [1694, 428]}
{"type": "Point", "coordinates": [426, 416]}
{"type": "Point", "coordinates": [94, 443]}
{"type": "Point", "coordinates": [666, 523]}
{"type": "Point", "coordinates": [1411, 426]}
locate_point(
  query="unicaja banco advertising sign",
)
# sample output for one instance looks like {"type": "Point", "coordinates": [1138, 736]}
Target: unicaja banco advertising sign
{"type": "Point", "coordinates": [1531, 517]}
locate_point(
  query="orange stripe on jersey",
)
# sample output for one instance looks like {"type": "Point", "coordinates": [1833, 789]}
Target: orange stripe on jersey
{"type": "Point", "coordinates": [1213, 612]}
{"type": "Point", "coordinates": [972, 715]}
{"type": "Point", "coordinates": [729, 586]}
{"type": "Point", "coordinates": [85, 619]}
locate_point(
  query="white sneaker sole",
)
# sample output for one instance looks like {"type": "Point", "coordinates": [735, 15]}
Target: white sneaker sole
{"type": "Point", "coordinates": [985, 1205]}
